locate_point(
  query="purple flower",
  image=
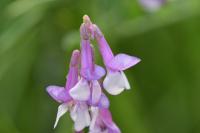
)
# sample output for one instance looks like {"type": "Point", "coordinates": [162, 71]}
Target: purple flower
{"type": "Point", "coordinates": [89, 70]}
{"type": "Point", "coordinates": [152, 5]}
{"type": "Point", "coordinates": [102, 122]}
{"type": "Point", "coordinates": [82, 95]}
{"type": "Point", "coordinates": [61, 95]}
{"type": "Point", "coordinates": [115, 81]}
{"type": "Point", "coordinates": [88, 88]}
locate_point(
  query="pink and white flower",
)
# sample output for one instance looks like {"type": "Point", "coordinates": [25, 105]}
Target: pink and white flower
{"type": "Point", "coordinates": [115, 81]}
{"type": "Point", "coordinates": [79, 110]}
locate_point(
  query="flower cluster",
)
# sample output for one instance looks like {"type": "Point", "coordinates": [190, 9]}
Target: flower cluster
{"type": "Point", "coordinates": [83, 94]}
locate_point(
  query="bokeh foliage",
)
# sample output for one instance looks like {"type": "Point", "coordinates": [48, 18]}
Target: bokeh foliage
{"type": "Point", "coordinates": [38, 36]}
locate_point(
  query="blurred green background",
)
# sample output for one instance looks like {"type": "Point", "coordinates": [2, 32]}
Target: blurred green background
{"type": "Point", "coordinates": [38, 36]}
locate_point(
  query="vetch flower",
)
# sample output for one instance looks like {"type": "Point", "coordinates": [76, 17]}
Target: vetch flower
{"type": "Point", "coordinates": [80, 115]}
{"type": "Point", "coordinates": [115, 81]}
{"type": "Point", "coordinates": [102, 122]}
{"type": "Point", "coordinates": [61, 95]}
{"type": "Point", "coordinates": [88, 88]}
{"type": "Point", "coordinates": [152, 5]}
{"type": "Point", "coordinates": [89, 70]}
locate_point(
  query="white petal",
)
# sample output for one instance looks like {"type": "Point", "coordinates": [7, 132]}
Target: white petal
{"type": "Point", "coordinates": [81, 91]}
{"type": "Point", "coordinates": [96, 92]}
{"type": "Point", "coordinates": [83, 117]}
{"type": "Point", "coordinates": [127, 85]}
{"type": "Point", "coordinates": [114, 83]}
{"type": "Point", "coordinates": [62, 109]}
{"type": "Point", "coordinates": [94, 114]}
{"type": "Point", "coordinates": [73, 112]}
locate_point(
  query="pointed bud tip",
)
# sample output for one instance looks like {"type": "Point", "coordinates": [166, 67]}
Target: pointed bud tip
{"type": "Point", "coordinates": [76, 52]}
{"type": "Point", "coordinates": [75, 58]}
{"type": "Point", "coordinates": [86, 19]}
{"type": "Point", "coordinates": [84, 32]}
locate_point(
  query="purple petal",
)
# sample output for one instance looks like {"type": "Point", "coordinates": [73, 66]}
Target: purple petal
{"type": "Point", "coordinates": [99, 72]}
{"type": "Point", "coordinates": [122, 62]}
{"type": "Point", "coordinates": [72, 77]}
{"type": "Point", "coordinates": [104, 102]}
{"type": "Point", "coordinates": [74, 62]}
{"type": "Point", "coordinates": [95, 74]}
{"type": "Point", "coordinates": [114, 129]}
{"type": "Point", "coordinates": [104, 47]}
{"type": "Point", "coordinates": [86, 54]}
{"type": "Point", "coordinates": [86, 49]}
{"type": "Point", "coordinates": [107, 119]}
{"type": "Point", "coordinates": [58, 93]}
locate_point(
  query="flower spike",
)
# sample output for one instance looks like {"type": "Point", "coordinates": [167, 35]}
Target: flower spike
{"type": "Point", "coordinates": [83, 96]}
